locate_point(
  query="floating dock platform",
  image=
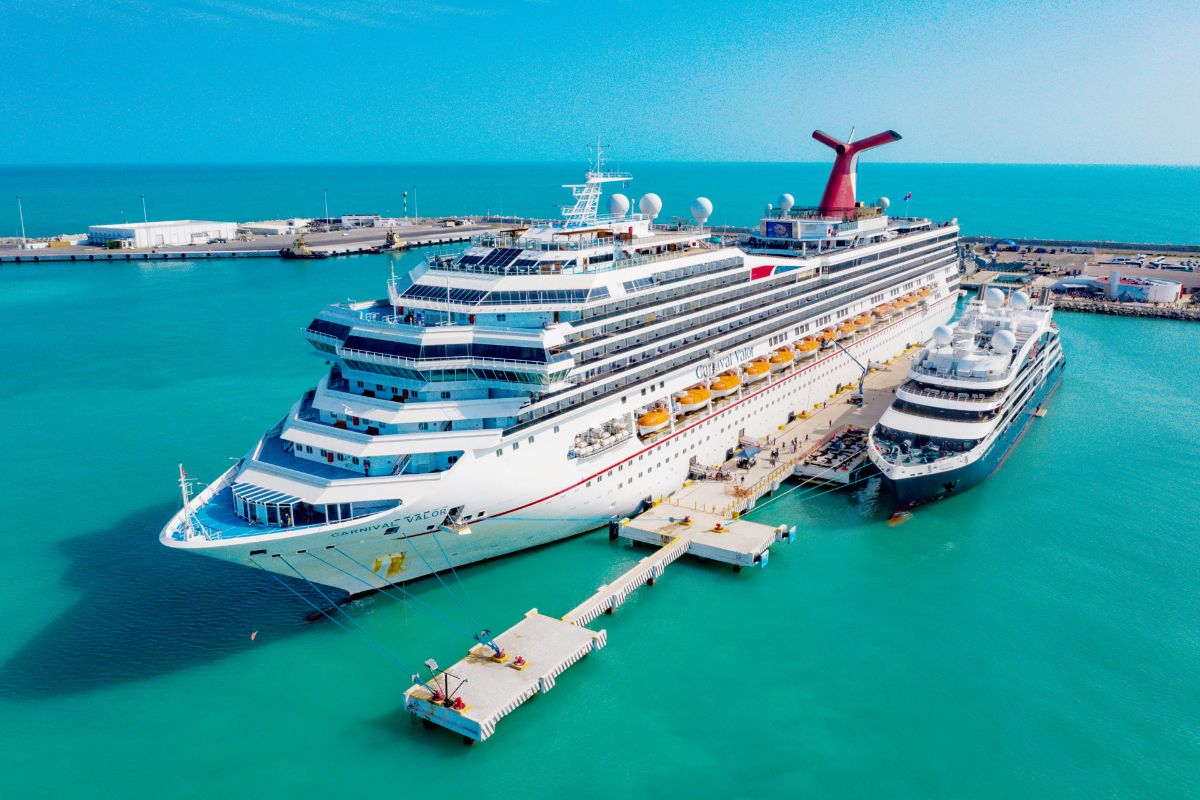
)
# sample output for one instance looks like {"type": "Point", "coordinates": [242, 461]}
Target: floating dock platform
{"type": "Point", "coordinates": [493, 688]}
{"type": "Point", "coordinates": [702, 519]}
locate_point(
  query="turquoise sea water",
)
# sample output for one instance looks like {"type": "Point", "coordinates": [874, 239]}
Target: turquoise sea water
{"type": "Point", "coordinates": [1124, 203]}
{"type": "Point", "coordinates": [1035, 637]}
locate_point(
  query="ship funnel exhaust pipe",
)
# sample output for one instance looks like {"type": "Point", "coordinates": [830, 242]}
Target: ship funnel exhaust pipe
{"type": "Point", "coordinates": [839, 196]}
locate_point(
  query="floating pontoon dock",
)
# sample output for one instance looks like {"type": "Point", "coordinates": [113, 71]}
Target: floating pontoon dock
{"type": "Point", "coordinates": [702, 519]}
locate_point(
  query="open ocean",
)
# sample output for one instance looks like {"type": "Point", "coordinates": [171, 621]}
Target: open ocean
{"type": "Point", "coordinates": [1036, 637]}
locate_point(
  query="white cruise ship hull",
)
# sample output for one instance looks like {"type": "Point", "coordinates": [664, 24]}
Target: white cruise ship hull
{"type": "Point", "coordinates": [536, 494]}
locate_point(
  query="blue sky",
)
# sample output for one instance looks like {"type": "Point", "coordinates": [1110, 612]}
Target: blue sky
{"type": "Point", "coordinates": [280, 81]}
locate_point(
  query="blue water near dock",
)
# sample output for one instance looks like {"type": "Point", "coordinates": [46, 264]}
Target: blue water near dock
{"type": "Point", "coordinates": [1034, 637]}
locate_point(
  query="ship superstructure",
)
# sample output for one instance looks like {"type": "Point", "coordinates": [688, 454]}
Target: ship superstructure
{"type": "Point", "coordinates": [968, 398]}
{"type": "Point", "coordinates": [547, 379]}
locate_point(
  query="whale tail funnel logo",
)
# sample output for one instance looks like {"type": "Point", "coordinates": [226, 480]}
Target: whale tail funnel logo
{"type": "Point", "coordinates": [839, 196]}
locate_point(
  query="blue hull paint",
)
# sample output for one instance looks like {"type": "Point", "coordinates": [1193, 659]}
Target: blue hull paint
{"type": "Point", "coordinates": [921, 489]}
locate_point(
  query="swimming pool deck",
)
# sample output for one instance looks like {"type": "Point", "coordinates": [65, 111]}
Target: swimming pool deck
{"type": "Point", "coordinates": [702, 519]}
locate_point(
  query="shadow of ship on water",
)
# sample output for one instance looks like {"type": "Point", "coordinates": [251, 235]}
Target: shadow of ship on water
{"type": "Point", "coordinates": [144, 610]}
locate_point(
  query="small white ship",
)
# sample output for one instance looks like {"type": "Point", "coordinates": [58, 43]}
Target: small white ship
{"type": "Point", "coordinates": [968, 398]}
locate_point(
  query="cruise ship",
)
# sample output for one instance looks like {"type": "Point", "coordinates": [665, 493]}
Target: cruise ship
{"type": "Point", "coordinates": [968, 398]}
{"type": "Point", "coordinates": [543, 381]}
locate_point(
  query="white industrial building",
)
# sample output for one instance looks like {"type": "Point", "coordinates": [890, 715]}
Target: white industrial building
{"type": "Point", "coordinates": [275, 227]}
{"type": "Point", "coordinates": [156, 234]}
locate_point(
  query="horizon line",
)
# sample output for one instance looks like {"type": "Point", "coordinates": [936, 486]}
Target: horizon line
{"type": "Point", "coordinates": [490, 162]}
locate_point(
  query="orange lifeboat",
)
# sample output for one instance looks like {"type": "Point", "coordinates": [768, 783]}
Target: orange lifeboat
{"type": "Point", "coordinates": [924, 294]}
{"type": "Point", "coordinates": [693, 399]}
{"type": "Point", "coordinates": [846, 330]}
{"type": "Point", "coordinates": [808, 348]}
{"type": "Point", "coordinates": [782, 358]}
{"type": "Point", "coordinates": [884, 311]}
{"type": "Point", "coordinates": [757, 371]}
{"type": "Point", "coordinates": [826, 335]}
{"type": "Point", "coordinates": [653, 420]}
{"type": "Point", "coordinates": [863, 321]}
{"type": "Point", "coordinates": [726, 384]}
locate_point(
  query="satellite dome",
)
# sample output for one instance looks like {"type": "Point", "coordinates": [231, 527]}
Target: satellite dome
{"type": "Point", "coordinates": [618, 205]}
{"type": "Point", "coordinates": [1003, 341]}
{"type": "Point", "coordinates": [786, 201]}
{"type": "Point", "coordinates": [770, 208]}
{"type": "Point", "coordinates": [701, 210]}
{"type": "Point", "coordinates": [650, 205]}
{"type": "Point", "coordinates": [1019, 301]}
{"type": "Point", "coordinates": [883, 203]}
{"type": "Point", "coordinates": [954, 221]}
{"type": "Point", "coordinates": [942, 335]}
{"type": "Point", "coordinates": [993, 298]}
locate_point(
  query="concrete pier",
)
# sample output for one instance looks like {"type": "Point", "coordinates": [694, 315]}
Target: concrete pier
{"type": "Point", "coordinates": [333, 243]}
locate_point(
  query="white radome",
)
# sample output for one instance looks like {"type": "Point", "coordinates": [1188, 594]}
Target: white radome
{"type": "Point", "coordinates": [1003, 341]}
{"type": "Point", "coordinates": [702, 209]}
{"type": "Point", "coordinates": [618, 205]}
{"type": "Point", "coordinates": [1019, 301]}
{"type": "Point", "coordinates": [884, 203]}
{"type": "Point", "coordinates": [786, 201]}
{"type": "Point", "coordinates": [942, 335]}
{"type": "Point", "coordinates": [650, 205]}
{"type": "Point", "coordinates": [993, 298]}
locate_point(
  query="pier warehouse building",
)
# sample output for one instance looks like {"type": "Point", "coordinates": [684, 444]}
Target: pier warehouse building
{"type": "Point", "coordinates": [155, 234]}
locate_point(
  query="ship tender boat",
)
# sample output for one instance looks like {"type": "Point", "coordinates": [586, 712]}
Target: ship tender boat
{"type": "Point", "coordinates": [968, 398]}
{"type": "Point", "coordinates": [521, 388]}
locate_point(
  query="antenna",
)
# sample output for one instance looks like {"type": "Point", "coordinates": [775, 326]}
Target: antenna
{"type": "Point", "coordinates": [188, 529]}
{"type": "Point", "coordinates": [145, 217]}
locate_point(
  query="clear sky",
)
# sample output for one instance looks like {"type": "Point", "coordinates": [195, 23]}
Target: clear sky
{"type": "Point", "coordinates": [273, 80]}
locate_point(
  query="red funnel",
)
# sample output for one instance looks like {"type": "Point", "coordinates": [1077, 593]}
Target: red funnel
{"type": "Point", "coordinates": [839, 198]}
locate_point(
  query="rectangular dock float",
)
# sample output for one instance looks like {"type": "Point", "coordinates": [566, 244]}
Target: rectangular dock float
{"type": "Point", "coordinates": [490, 689]}
{"type": "Point", "coordinates": [738, 542]}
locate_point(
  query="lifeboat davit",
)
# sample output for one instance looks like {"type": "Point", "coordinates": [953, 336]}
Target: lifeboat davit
{"type": "Point", "coordinates": [846, 330]}
{"type": "Point", "coordinates": [808, 348]}
{"type": "Point", "coordinates": [783, 357]}
{"type": "Point", "coordinates": [884, 311]}
{"type": "Point", "coordinates": [726, 384]}
{"type": "Point", "coordinates": [653, 420]}
{"type": "Point", "coordinates": [757, 371]}
{"type": "Point", "coordinates": [863, 321]}
{"type": "Point", "coordinates": [693, 399]}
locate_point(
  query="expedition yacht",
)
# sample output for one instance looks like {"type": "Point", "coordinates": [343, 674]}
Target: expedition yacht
{"type": "Point", "coordinates": [546, 380]}
{"type": "Point", "coordinates": [968, 398]}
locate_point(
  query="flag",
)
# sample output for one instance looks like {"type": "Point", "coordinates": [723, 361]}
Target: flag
{"type": "Point", "coordinates": [908, 196]}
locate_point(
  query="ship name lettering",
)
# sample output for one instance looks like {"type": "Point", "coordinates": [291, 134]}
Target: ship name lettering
{"type": "Point", "coordinates": [721, 363]}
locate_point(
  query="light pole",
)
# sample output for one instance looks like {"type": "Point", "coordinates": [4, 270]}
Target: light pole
{"type": "Point", "coordinates": [145, 217]}
{"type": "Point", "coordinates": [326, 191]}
{"type": "Point", "coordinates": [21, 216]}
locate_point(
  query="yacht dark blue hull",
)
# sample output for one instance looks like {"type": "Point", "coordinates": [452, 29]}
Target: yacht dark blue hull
{"type": "Point", "coordinates": [921, 489]}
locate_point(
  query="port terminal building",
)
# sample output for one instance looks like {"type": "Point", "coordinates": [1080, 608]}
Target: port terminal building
{"type": "Point", "coordinates": [1118, 287]}
{"type": "Point", "coordinates": [156, 234]}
